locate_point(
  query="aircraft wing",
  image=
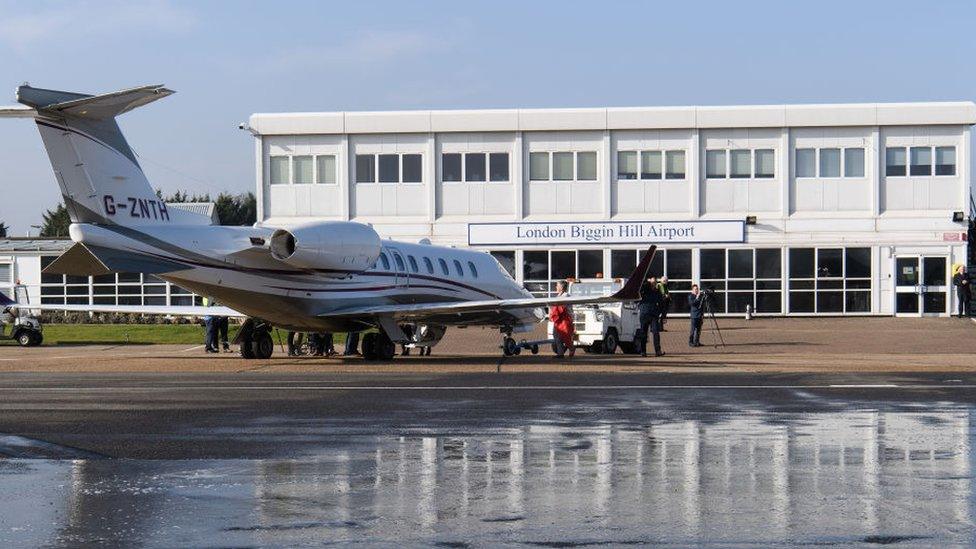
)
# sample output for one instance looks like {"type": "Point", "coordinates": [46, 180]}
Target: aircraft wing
{"type": "Point", "coordinates": [629, 292]}
{"type": "Point", "coordinates": [175, 310]}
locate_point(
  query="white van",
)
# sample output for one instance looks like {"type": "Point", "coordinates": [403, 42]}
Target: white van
{"type": "Point", "coordinates": [603, 328]}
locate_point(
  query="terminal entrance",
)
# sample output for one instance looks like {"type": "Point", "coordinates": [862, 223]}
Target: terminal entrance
{"type": "Point", "coordinates": [921, 286]}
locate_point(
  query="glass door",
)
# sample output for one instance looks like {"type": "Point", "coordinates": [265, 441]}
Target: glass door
{"type": "Point", "coordinates": [935, 286]}
{"type": "Point", "coordinates": [907, 286]}
{"type": "Point", "coordinates": [921, 286]}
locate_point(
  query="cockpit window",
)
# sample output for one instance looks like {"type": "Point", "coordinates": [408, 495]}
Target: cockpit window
{"type": "Point", "coordinates": [385, 261]}
{"type": "Point", "coordinates": [399, 262]}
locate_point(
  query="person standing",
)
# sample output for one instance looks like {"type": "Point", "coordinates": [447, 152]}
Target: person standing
{"type": "Point", "coordinates": [561, 317]}
{"type": "Point", "coordinates": [964, 291]}
{"type": "Point", "coordinates": [352, 344]}
{"type": "Point", "coordinates": [662, 286]}
{"type": "Point", "coordinates": [223, 329]}
{"type": "Point", "coordinates": [295, 343]}
{"type": "Point", "coordinates": [649, 308]}
{"type": "Point", "coordinates": [210, 330]}
{"type": "Point", "coordinates": [697, 312]}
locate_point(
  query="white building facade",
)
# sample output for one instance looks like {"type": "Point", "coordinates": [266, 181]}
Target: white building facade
{"type": "Point", "coordinates": [800, 209]}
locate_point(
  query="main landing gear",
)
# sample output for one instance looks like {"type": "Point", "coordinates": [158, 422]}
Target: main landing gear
{"type": "Point", "coordinates": [378, 346]}
{"type": "Point", "coordinates": [255, 340]}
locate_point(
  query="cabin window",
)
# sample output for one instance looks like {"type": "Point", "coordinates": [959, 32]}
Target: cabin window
{"type": "Point", "coordinates": [443, 266]}
{"type": "Point", "coordinates": [457, 267]}
{"type": "Point", "coordinates": [399, 263]}
{"type": "Point", "coordinates": [474, 272]}
{"type": "Point", "coordinates": [385, 261]}
{"type": "Point", "coordinates": [429, 265]}
{"type": "Point", "coordinates": [413, 264]}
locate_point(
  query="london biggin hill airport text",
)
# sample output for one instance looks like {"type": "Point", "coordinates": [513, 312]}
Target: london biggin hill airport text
{"type": "Point", "coordinates": [606, 232]}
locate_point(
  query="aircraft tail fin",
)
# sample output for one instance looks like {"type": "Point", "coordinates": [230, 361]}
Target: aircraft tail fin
{"type": "Point", "coordinates": [99, 175]}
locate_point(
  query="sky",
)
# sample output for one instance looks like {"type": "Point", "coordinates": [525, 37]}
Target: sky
{"type": "Point", "coordinates": [228, 60]}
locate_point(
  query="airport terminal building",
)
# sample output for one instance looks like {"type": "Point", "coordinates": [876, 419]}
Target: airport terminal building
{"type": "Point", "coordinates": [857, 209]}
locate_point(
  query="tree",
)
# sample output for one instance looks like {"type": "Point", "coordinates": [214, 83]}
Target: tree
{"type": "Point", "coordinates": [240, 209]}
{"type": "Point", "coordinates": [3, 229]}
{"type": "Point", "coordinates": [56, 222]}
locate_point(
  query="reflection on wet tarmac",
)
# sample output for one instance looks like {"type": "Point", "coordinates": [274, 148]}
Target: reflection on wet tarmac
{"type": "Point", "coordinates": [757, 478]}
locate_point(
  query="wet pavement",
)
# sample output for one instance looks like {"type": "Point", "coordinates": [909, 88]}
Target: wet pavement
{"type": "Point", "coordinates": [455, 461]}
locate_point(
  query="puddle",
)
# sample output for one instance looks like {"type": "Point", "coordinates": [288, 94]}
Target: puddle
{"type": "Point", "coordinates": [753, 478]}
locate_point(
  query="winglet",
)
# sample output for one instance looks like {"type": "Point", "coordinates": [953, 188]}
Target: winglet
{"type": "Point", "coordinates": [631, 289]}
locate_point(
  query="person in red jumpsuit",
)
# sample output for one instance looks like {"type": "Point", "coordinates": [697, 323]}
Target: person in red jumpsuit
{"type": "Point", "coordinates": [561, 317]}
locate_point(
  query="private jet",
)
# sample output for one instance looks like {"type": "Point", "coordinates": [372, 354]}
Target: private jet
{"type": "Point", "coordinates": [327, 276]}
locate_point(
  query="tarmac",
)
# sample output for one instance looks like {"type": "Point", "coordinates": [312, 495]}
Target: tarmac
{"type": "Point", "coordinates": [764, 345]}
{"type": "Point", "coordinates": [767, 441]}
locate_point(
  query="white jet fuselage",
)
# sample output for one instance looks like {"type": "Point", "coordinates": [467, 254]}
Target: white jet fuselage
{"type": "Point", "coordinates": [226, 264]}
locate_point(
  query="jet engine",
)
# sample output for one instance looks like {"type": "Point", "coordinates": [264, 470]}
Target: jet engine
{"type": "Point", "coordinates": [334, 247]}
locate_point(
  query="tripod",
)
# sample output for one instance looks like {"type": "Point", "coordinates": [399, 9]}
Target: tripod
{"type": "Point", "coordinates": [710, 311]}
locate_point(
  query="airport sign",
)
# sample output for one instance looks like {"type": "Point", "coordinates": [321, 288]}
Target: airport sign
{"type": "Point", "coordinates": [605, 232]}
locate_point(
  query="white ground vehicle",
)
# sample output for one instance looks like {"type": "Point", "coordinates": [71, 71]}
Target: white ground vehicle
{"type": "Point", "coordinates": [17, 323]}
{"type": "Point", "coordinates": [603, 328]}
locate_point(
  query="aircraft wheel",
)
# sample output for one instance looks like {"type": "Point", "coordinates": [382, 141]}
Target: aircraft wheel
{"type": "Point", "coordinates": [510, 347]}
{"type": "Point", "coordinates": [247, 349]}
{"type": "Point", "coordinates": [535, 349]}
{"type": "Point", "coordinates": [385, 349]}
{"type": "Point", "coordinates": [263, 345]}
{"type": "Point", "coordinates": [369, 346]}
{"type": "Point", "coordinates": [610, 342]}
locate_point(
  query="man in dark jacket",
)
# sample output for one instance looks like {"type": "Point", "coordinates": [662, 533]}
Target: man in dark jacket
{"type": "Point", "coordinates": [963, 290]}
{"type": "Point", "coordinates": [697, 313]}
{"type": "Point", "coordinates": [650, 307]}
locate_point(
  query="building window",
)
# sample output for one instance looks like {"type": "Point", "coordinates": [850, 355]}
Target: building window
{"type": "Point", "coordinates": [389, 168]}
{"type": "Point", "coordinates": [829, 162]}
{"type": "Point", "coordinates": [830, 280]}
{"type": "Point", "coordinates": [498, 167]}
{"type": "Point", "coordinates": [539, 166]}
{"type": "Point", "coordinates": [765, 163]}
{"type": "Point", "coordinates": [895, 159]}
{"type": "Point", "coordinates": [562, 166]}
{"type": "Point", "coordinates": [945, 161]}
{"type": "Point", "coordinates": [651, 165]}
{"type": "Point", "coordinates": [627, 165]}
{"type": "Point", "coordinates": [740, 160]}
{"type": "Point", "coordinates": [590, 264]}
{"type": "Point", "coordinates": [675, 162]}
{"type": "Point", "coordinates": [6, 273]}
{"type": "Point", "coordinates": [586, 166]}
{"type": "Point", "coordinates": [325, 165]}
{"type": "Point", "coordinates": [451, 167]}
{"type": "Point", "coordinates": [806, 162]}
{"type": "Point", "coordinates": [535, 272]}
{"type": "Point", "coordinates": [854, 162]}
{"type": "Point", "coordinates": [280, 174]}
{"type": "Point", "coordinates": [921, 161]}
{"type": "Point", "coordinates": [302, 168]}
{"type": "Point", "coordinates": [506, 261]}
{"type": "Point", "coordinates": [474, 167]}
{"type": "Point", "coordinates": [365, 168]}
{"type": "Point", "coordinates": [715, 164]}
{"type": "Point", "coordinates": [413, 171]}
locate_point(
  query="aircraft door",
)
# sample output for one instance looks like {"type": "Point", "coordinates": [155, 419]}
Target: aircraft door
{"type": "Point", "coordinates": [400, 266]}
